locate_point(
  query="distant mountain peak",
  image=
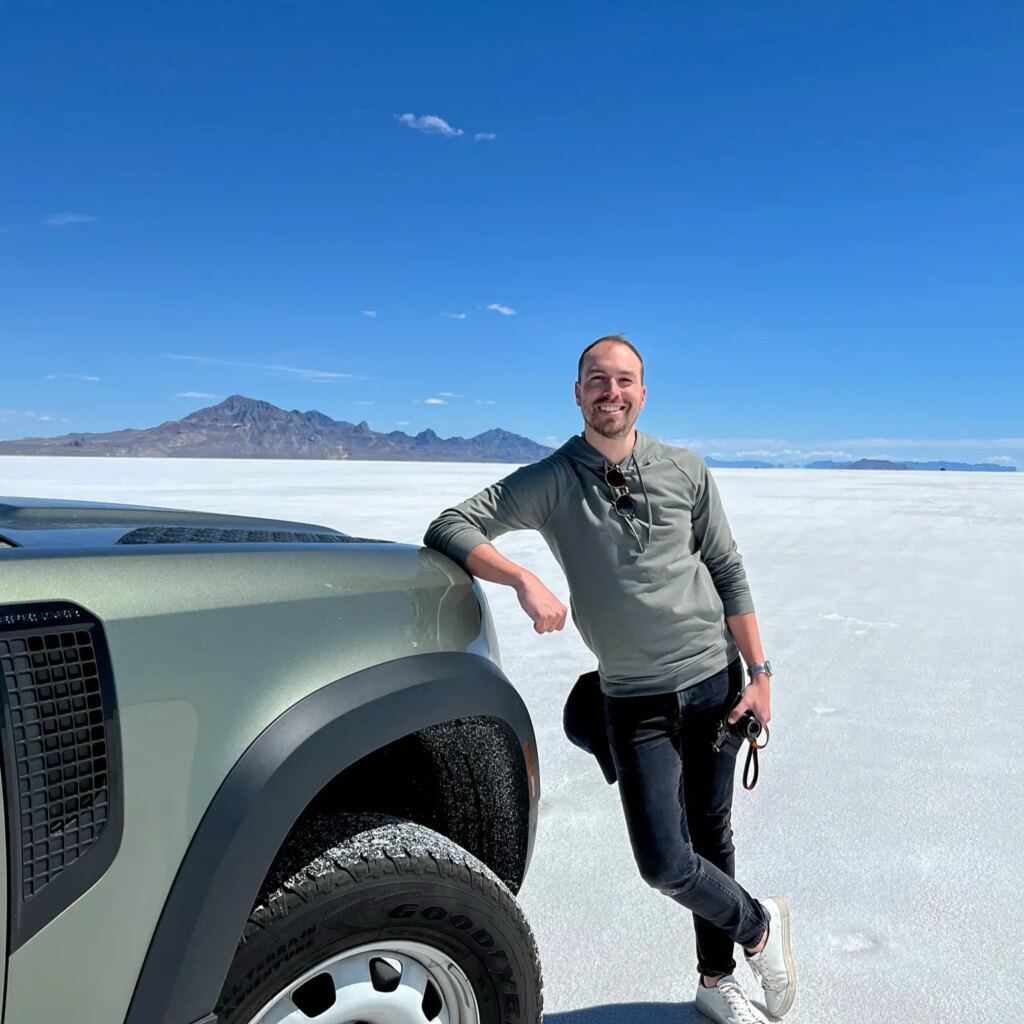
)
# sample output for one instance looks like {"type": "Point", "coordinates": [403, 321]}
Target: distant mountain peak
{"type": "Point", "coordinates": [241, 402]}
{"type": "Point", "coordinates": [494, 434]}
{"type": "Point", "coordinates": [233, 405]}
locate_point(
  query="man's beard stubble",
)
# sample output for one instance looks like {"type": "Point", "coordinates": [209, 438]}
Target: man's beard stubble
{"type": "Point", "coordinates": [605, 429]}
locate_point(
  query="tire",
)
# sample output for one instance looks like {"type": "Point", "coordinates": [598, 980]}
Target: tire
{"type": "Point", "coordinates": [366, 927]}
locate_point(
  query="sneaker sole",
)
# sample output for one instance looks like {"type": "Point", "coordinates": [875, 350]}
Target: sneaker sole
{"type": "Point", "coordinates": [709, 1016]}
{"type": "Point", "coordinates": [787, 1005]}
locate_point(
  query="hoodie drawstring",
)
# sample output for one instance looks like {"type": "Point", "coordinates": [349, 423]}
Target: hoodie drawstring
{"type": "Point", "coordinates": [647, 502]}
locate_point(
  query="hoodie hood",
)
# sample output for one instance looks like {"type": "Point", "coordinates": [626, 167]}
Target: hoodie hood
{"type": "Point", "coordinates": [582, 451]}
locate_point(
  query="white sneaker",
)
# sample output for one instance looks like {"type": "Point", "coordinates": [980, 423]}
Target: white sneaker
{"type": "Point", "coordinates": [728, 1003]}
{"type": "Point", "coordinates": [774, 966]}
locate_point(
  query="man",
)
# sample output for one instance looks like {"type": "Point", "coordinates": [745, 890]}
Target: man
{"type": "Point", "coordinates": [659, 594]}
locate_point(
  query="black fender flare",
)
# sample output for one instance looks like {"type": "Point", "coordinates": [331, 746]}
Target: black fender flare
{"type": "Point", "coordinates": [267, 790]}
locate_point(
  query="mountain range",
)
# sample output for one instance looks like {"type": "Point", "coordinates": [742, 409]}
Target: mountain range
{"type": "Point", "coordinates": [246, 428]}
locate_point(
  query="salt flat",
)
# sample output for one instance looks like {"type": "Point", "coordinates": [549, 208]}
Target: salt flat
{"type": "Point", "coordinates": [889, 807]}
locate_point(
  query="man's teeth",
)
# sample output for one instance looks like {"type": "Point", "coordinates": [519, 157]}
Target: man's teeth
{"type": "Point", "coordinates": [610, 408]}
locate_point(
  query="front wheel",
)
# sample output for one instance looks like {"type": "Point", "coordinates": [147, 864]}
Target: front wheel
{"type": "Point", "coordinates": [392, 924]}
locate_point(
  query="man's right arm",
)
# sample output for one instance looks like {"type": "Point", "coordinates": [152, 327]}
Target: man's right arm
{"type": "Point", "coordinates": [522, 501]}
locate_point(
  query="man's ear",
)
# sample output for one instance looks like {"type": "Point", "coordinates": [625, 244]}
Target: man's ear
{"type": "Point", "coordinates": [576, 391]}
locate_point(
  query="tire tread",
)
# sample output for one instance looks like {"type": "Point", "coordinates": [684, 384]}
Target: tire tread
{"type": "Point", "coordinates": [372, 846]}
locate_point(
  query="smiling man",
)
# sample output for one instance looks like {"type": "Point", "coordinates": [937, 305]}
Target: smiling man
{"type": "Point", "coordinates": [659, 594]}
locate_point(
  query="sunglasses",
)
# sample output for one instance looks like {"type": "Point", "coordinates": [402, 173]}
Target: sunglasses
{"type": "Point", "coordinates": [624, 503]}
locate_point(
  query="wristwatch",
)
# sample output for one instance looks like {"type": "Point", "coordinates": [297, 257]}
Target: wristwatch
{"type": "Point", "coordinates": [765, 667]}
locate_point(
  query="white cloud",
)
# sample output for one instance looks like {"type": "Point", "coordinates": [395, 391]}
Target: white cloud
{"type": "Point", "coordinates": [484, 137]}
{"type": "Point", "coordinates": [455, 316]}
{"type": "Point", "coordinates": [851, 449]}
{"type": "Point", "coordinates": [58, 220]}
{"type": "Point", "coordinates": [503, 310]}
{"type": "Point", "coordinates": [448, 394]}
{"type": "Point", "coordinates": [485, 401]}
{"type": "Point", "coordinates": [195, 394]}
{"type": "Point", "coordinates": [402, 423]}
{"type": "Point", "coordinates": [435, 401]}
{"type": "Point", "coordinates": [369, 312]}
{"type": "Point", "coordinates": [6, 415]}
{"type": "Point", "coordinates": [431, 124]}
{"type": "Point", "coordinates": [792, 454]}
{"type": "Point", "coordinates": [908, 442]}
{"type": "Point", "coordinates": [71, 376]}
{"type": "Point", "coordinates": [308, 374]}
{"type": "Point", "coordinates": [726, 443]}
{"type": "Point", "coordinates": [313, 376]}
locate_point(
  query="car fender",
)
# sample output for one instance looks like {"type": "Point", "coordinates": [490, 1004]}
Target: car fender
{"type": "Point", "coordinates": [266, 792]}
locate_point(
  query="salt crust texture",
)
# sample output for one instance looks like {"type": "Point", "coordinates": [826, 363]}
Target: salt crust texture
{"type": "Point", "coordinates": [888, 807]}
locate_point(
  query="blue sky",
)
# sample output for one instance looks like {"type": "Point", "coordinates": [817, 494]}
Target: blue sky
{"type": "Point", "coordinates": [807, 216]}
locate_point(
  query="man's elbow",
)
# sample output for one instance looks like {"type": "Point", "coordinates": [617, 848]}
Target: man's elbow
{"type": "Point", "coordinates": [445, 533]}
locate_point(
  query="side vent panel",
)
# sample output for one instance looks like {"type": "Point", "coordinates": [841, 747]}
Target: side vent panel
{"type": "Point", "coordinates": [61, 758]}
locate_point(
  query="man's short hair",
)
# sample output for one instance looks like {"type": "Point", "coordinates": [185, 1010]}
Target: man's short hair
{"type": "Point", "coordinates": [619, 339]}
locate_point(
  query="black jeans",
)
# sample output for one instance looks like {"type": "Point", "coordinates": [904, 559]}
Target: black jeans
{"type": "Point", "coordinates": [677, 796]}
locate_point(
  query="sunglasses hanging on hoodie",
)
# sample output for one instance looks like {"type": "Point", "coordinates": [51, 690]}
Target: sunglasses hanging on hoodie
{"type": "Point", "coordinates": [623, 502]}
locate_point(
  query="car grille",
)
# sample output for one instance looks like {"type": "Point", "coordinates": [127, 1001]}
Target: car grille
{"type": "Point", "coordinates": [57, 734]}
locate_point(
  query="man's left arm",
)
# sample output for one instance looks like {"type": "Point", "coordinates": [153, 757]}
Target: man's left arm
{"type": "Point", "coordinates": [757, 696]}
{"type": "Point", "coordinates": [724, 563]}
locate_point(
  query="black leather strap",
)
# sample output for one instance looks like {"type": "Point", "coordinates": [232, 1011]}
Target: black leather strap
{"type": "Point", "coordinates": [750, 778]}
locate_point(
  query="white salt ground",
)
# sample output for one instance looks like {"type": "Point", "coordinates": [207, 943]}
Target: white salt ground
{"type": "Point", "coordinates": [889, 807]}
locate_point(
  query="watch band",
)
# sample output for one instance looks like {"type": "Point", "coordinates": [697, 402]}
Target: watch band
{"type": "Point", "coordinates": [765, 667]}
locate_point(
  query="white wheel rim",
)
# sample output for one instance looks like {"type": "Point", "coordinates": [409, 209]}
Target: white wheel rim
{"type": "Point", "coordinates": [428, 980]}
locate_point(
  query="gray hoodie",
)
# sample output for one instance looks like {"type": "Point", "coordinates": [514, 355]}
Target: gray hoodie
{"type": "Point", "coordinates": [649, 595]}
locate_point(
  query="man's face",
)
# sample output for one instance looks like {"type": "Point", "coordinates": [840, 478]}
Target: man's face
{"type": "Point", "coordinates": [609, 392]}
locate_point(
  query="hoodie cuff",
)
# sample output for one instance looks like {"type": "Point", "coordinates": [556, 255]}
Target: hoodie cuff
{"type": "Point", "coordinates": [737, 604]}
{"type": "Point", "coordinates": [458, 546]}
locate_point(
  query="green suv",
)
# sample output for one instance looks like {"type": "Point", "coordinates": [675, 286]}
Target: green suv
{"type": "Point", "coordinates": [255, 771]}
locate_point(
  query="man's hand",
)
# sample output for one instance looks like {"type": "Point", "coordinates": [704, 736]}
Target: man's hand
{"type": "Point", "coordinates": [757, 698]}
{"type": "Point", "coordinates": [547, 612]}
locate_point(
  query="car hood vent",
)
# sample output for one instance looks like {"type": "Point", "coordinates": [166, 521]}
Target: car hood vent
{"type": "Point", "coordinates": [206, 535]}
